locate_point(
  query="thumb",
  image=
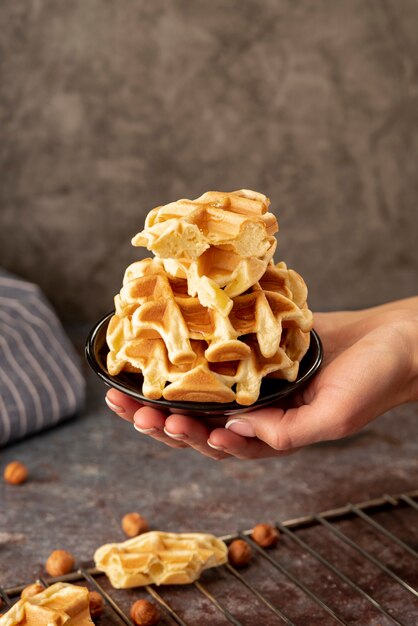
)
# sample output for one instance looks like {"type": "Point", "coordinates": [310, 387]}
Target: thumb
{"type": "Point", "coordinates": [327, 417]}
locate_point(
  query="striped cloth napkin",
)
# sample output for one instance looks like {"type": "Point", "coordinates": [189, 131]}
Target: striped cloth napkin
{"type": "Point", "coordinates": [40, 378]}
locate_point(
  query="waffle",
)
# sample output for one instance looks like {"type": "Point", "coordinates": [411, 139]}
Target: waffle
{"type": "Point", "coordinates": [236, 221]}
{"type": "Point", "coordinates": [57, 605]}
{"type": "Point", "coordinates": [219, 275]}
{"type": "Point", "coordinates": [160, 558]}
{"type": "Point", "coordinates": [218, 240]}
{"type": "Point", "coordinates": [171, 337]}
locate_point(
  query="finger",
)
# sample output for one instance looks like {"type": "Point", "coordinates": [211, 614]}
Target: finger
{"type": "Point", "coordinates": [121, 404]}
{"type": "Point", "coordinates": [327, 417]}
{"type": "Point", "coordinates": [243, 447]}
{"type": "Point", "coordinates": [341, 399]}
{"type": "Point", "coordinates": [151, 422]}
{"type": "Point", "coordinates": [194, 432]}
{"type": "Point", "coordinates": [329, 410]}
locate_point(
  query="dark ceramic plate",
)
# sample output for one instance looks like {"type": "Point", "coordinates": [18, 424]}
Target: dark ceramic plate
{"type": "Point", "coordinates": [131, 384]}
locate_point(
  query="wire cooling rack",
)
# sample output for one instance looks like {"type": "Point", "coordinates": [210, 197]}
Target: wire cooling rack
{"type": "Point", "coordinates": [363, 512]}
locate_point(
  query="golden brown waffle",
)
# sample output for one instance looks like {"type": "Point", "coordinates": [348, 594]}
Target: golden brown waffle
{"type": "Point", "coordinates": [216, 269]}
{"type": "Point", "coordinates": [57, 605]}
{"type": "Point", "coordinates": [173, 338]}
{"type": "Point", "coordinates": [218, 240]}
{"type": "Point", "coordinates": [160, 558]}
{"type": "Point", "coordinates": [236, 221]}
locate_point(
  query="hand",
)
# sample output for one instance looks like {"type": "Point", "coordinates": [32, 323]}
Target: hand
{"type": "Point", "coordinates": [370, 365]}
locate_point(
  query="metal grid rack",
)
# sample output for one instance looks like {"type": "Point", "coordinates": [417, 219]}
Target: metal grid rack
{"type": "Point", "coordinates": [289, 528]}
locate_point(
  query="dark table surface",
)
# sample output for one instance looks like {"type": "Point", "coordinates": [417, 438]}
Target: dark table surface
{"type": "Point", "coordinates": [88, 472]}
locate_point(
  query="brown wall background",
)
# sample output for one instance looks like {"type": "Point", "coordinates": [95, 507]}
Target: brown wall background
{"type": "Point", "coordinates": [108, 108]}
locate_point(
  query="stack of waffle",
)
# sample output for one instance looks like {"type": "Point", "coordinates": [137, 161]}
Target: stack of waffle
{"type": "Point", "coordinates": [210, 315]}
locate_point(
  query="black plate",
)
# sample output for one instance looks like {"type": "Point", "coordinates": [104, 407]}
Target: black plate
{"type": "Point", "coordinates": [131, 384]}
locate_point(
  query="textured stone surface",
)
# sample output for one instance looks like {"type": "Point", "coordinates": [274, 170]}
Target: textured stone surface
{"type": "Point", "coordinates": [110, 108]}
{"type": "Point", "coordinates": [86, 474]}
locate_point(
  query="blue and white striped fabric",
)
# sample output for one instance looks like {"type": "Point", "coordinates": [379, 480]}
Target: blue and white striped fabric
{"type": "Point", "coordinates": [40, 378]}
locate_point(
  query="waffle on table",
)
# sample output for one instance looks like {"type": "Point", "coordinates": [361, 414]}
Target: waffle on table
{"type": "Point", "coordinates": [59, 604]}
{"type": "Point", "coordinates": [207, 323]}
{"type": "Point", "coordinates": [160, 558]}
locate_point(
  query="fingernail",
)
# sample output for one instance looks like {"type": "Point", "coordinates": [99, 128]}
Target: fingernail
{"type": "Point", "coordinates": [175, 436]}
{"type": "Point", "coordinates": [212, 445]}
{"type": "Point", "coordinates": [240, 427]}
{"type": "Point", "coordinates": [114, 407]}
{"type": "Point", "coordinates": [145, 431]}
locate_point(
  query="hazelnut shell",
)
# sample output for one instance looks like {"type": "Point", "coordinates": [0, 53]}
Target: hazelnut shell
{"type": "Point", "coordinates": [32, 590]}
{"type": "Point", "coordinates": [15, 473]}
{"type": "Point", "coordinates": [134, 524]}
{"type": "Point", "coordinates": [239, 553]}
{"type": "Point", "coordinates": [96, 604]}
{"type": "Point", "coordinates": [265, 535]}
{"type": "Point", "coordinates": [145, 613]}
{"type": "Point", "coordinates": [59, 562]}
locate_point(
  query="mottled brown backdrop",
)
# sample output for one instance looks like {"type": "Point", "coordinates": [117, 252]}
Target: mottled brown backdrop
{"type": "Point", "coordinates": [108, 108]}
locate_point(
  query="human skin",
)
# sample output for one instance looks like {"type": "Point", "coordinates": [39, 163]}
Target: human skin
{"type": "Point", "coordinates": [370, 366]}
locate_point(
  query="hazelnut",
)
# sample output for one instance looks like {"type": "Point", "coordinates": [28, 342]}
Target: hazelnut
{"type": "Point", "coordinates": [265, 535]}
{"type": "Point", "coordinates": [134, 524]}
{"type": "Point", "coordinates": [59, 563]}
{"type": "Point", "coordinates": [32, 590]}
{"type": "Point", "coordinates": [96, 604]}
{"type": "Point", "coordinates": [144, 613]}
{"type": "Point", "coordinates": [15, 473]}
{"type": "Point", "coordinates": [239, 553]}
